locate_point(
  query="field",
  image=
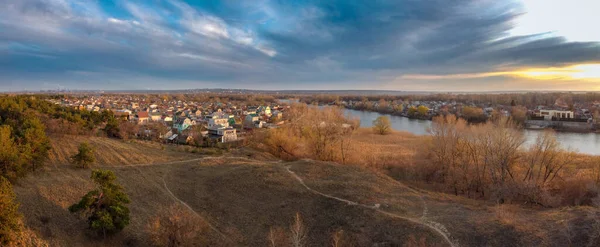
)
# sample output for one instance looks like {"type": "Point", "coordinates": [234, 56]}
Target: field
{"type": "Point", "coordinates": [243, 194]}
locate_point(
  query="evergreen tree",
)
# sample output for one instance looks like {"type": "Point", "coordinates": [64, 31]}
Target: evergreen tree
{"type": "Point", "coordinates": [9, 216]}
{"type": "Point", "coordinates": [104, 206]}
{"type": "Point", "coordinates": [35, 142]}
{"type": "Point", "coordinates": [85, 156]}
{"type": "Point", "coordinates": [112, 127]}
{"type": "Point", "coordinates": [9, 154]}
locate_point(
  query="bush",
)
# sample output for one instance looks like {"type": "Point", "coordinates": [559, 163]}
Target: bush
{"type": "Point", "coordinates": [176, 226]}
{"type": "Point", "coordinates": [382, 125]}
{"type": "Point", "coordinates": [578, 191]}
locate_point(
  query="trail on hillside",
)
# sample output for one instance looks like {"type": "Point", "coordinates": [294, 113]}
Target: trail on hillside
{"type": "Point", "coordinates": [435, 226]}
{"type": "Point", "coordinates": [193, 211]}
{"type": "Point", "coordinates": [171, 194]}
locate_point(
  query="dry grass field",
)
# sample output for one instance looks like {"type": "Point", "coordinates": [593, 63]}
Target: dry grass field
{"type": "Point", "coordinates": [243, 194]}
{"type": "Point", "coordinates": [110, 152]}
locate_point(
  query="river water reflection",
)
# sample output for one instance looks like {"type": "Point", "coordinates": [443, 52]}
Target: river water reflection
{"type": "Point", "coordinates": [588, 143]}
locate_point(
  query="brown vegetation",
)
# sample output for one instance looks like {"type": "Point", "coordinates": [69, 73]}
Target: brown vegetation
{"type": "Point", "coordinates": [491, 161]}
{"type": "Point", "coordinates": [112, 152]}
{"type": "Point", "coordinates": [177, 226]}
{"type": "Point", "coordinates": [313, 133]}
{"type": "Point", "coordinates": [382, 125]}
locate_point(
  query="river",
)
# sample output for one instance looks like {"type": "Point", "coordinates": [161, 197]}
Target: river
{"type": "Point", "coordinates": [588, 143]}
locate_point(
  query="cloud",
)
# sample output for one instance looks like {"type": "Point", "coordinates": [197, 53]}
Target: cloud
{"type": "Point", "coordinates": [277, 44]}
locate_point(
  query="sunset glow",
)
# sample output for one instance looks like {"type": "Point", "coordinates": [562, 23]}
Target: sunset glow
{"type": "Point", "coordinates": [580, 72]}
{"type": "Point", "coordinates": [588, 72]}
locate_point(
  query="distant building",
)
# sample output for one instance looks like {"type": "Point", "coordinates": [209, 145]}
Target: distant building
{"type": "Point", "coordinates": [216, 122]}
{"type": "Point", "coordinates": [155, 116]}
{"type": "Point", "coordinates": [549, 114]}
{"type": "Point", "coordinates": [142, 117]}
{"type": "Point", "coordinates": [182, 124]}
{"type": "Point", "coordinates": [228, 134]}
{"type": "Point", "coordinates": [250, 120]}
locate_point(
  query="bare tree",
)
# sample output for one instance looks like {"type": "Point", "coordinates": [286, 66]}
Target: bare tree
{"type": "Point", "coordinates": [336, 238]}
{"type": "Point", "coordinates": [276, 237]}
{"type": "Point", "coordinates": [298, 232]}
{"type": "Point", "coordinates": [546, 159]}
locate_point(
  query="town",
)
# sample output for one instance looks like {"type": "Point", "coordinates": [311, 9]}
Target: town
{"type": "Point", "coordinates": [181, 121]}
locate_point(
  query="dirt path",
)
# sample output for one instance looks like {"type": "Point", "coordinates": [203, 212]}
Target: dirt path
{"type": "Point", "coordinates": [193, 211]}
{"type": "Point", "coordinates": [435, 226]}
{"type": "Point", "coordinates": [171, 194]}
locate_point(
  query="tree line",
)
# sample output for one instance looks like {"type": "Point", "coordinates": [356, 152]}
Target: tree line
{"type": "Point", "coordinates": [491, 161]}
{"type": "Point", "coordinates": [321, 134]}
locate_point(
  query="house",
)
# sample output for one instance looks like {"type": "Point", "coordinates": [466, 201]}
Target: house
{"type": "Point", "coordinates": [250, 111]}
{"type": "Point", "coordinates": [217, 121]}
{"type": "Point", "coordinates": [155, 116]}
{"type": "Point", "coordinates": [182, 124]}
{"type": "Point", "coordinates": [231, 120]}
{"type": "Point", "coordinates": [228, 134]}
{"type": "Point", "coordinates": [122, 115]}
{"type": "Point", "coordinates": [264, 110]}
{"type": "Point", "coordinates": [550, 114]}
{"type": "Point", "coordinates": [142, 117]}
{"type": "Point", "coordinates": [251, 119]}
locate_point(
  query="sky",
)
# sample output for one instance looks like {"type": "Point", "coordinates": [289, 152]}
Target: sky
{"type": "Point", "coordinates": [408, 45]}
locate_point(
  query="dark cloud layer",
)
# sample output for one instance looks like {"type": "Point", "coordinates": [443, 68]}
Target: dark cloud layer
{"type": "Point", "coordinates": [165, 44]}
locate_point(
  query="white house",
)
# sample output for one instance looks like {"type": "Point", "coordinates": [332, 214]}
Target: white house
{"type": "Point", "coordinates": [155, 116]}
{"type": "Point", "coordinates": [227, 134]}
{"type": "Point", "coordinates": [216, 122]}
{"type": "Point", "coordinates": [549, 114]}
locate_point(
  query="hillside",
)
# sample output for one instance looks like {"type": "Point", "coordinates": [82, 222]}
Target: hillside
{"type": "Point", "coordinates": [242, 198]}
{"type": "Point", "coordinates": [111, 152]}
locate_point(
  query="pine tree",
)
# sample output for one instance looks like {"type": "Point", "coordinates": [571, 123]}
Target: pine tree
{"type": "Point", "coordinates": [9, 153]}
{"type": "Point", "coordinates": [85, 156]}
{"type": "Point", "coordinates": [9, 216]}
{"type": "Point", "coordinates": [104, 206]}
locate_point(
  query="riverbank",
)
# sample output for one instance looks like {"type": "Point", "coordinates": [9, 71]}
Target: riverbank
{"type": "Point", "coordinates": [562, 126]}
{"type": "Point", "coordinates": [586, 143]}
{"type": "Point", "coordinates": [394, 114]}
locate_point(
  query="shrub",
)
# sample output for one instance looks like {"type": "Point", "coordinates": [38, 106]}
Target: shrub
{"type": "Point", "coordinates": [578, 191]}
{"type": "Point", "coordinates": [176, 226]}
{"type": "Point", "coordinates": [382, 125]}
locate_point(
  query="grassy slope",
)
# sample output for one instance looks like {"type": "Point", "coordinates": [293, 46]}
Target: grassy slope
{"type": "Point", "coordinates": [112, 152]}
{"type": "Point", "coordinates": [243, 198]}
